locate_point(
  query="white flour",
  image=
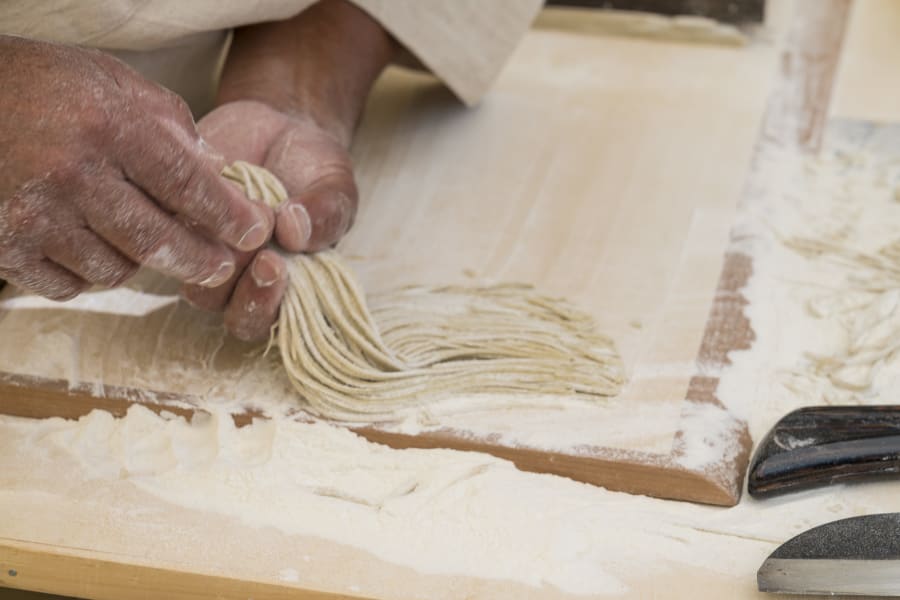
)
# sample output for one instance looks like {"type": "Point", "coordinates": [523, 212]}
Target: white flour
{"type": "Point", "coordinates": [805, 308]}
{"type": "Point", "coordinates": [441, 511]}
{"type": "Point", "coordinates": [120, 301]}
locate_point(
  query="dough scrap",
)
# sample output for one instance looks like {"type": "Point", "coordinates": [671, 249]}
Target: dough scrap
{"type": "Point", "coordinates": [867, 303]}
{"type": "Point", "coordinates": [363, 360]}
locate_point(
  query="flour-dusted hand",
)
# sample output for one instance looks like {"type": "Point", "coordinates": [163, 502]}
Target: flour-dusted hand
{"type": "Point", "coordinates": [314, 166]}
{"type": "Point", "coordinates": [311, 161]}
{"type": "Point", "coordinates": [289, 100]}
{"type": "Point", "coordinates": [102, 170]}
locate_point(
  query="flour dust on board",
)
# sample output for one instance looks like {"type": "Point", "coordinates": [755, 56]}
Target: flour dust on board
{"type": "Point", "coordinates": [840, 217]}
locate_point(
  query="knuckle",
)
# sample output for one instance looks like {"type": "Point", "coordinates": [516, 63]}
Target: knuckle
{"type": "Point", "coordinates": [25, 220]}
{"type": "Point", "coordinates": [176, 103]}
{"type": "Point", "coordinates": [188, 190]}
{"type": "Point", "coordinates": [173, 114]}
{"type": "Point", "coordinates": [63, 291]}
{"type": "Point", "coordinates": [104, 61]}
{"type": "Point", "coordinates": [186, 181]}
{"type": "Point", "coordinates": [157, 246]}
{"type": "Point", "coordinates": [175, 253]}
{"type": "Point", "coordinates": [124, 274]}
{"type": "Point", "coordinates": [20, 217]}
{"type": "Point", "coordinates": [65, 171]}
{"type": "Point", "coordinates": [111, 273]}
{"type": "Point", "coordinates": [201, 207]}
{"type": "Point", "coordinates": [59, 288]}
{"type": "Point", "coordinates": [250, 316]}
{"type": "Point", "coordinates": [113, 94]}
{"type": "Point", "coordinates": [245, 326]}
{"type": "Point", "coordinates": [95, 124]}
{"type": "Point", "coordinates": [163, 256]}
{"type": "Point", "coordinates": [203, 298]}
{"type": "Point", "coordinates": [121, 221]}
{"type": "Point", "coordinates": [193, 186]}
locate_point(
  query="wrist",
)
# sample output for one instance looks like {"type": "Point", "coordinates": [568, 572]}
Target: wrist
{"type": "Point", "coordinates": [320, 65]}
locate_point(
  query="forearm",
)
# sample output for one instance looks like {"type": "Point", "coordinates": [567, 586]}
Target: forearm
{"type": "Point", "coordinates": [321, 64]}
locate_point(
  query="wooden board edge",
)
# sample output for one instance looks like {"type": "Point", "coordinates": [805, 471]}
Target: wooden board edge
{"type": "Point", "coordinates": [35, 397]}
{"type": "Point", "coordinates": [727, 329]}
{"type": "Point", "coordinates": [795, 117]}
{"type": "Point", "coordinates": [634, 472]}
{"type": "Point", "coordinates": [656, 475]}
{"type": "Point", "coordinates": [54, 569]}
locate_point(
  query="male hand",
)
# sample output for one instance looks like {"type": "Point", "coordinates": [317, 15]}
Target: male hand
{"type": "Point", "coordinates": [290, 96]}
{"type": "Point", "coordinates": [102, 170]}
{"type": "Point", "coordinates": [314, 166]}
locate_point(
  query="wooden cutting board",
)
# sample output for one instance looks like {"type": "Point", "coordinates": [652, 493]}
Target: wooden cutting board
{"type": "Point", "coordinates": [603, 170]}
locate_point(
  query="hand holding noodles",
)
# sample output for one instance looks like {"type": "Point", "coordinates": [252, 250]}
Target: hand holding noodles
{"type": "Point", "coordinates": [358, 359]}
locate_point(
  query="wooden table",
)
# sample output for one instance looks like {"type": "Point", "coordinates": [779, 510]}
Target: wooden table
{"type": "Point", "coordinates": [798, 108]}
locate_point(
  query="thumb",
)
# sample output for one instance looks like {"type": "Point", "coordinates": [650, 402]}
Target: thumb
{"type": "Point", "coordinates": [319, 216]}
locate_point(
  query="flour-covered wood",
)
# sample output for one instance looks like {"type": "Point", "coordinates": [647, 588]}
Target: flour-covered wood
{"type": "Point", "coordinates": [604, 171]}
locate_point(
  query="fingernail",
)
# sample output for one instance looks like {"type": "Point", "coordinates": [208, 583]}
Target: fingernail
{"type": "Point", "coordinates": [266, 270]}
{"type": "Point", "coordinates": [346, 213]}
{"type": "Point", "coordinates": [253, 238]}
{"type": "Point", "coordinates": [302, 224]}
{"type": "Point", "coordinates": [223, 274]}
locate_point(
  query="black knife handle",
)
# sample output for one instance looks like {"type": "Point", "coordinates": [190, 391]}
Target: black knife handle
{"type": "Point", "coordinates": [820, 445]}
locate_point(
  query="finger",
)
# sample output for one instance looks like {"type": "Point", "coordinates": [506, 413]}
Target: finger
{"type": "Point", "coordinates": [48, 279]}
{"type": "Point", "coordinates": [216, 298]}
{"type": "Point", "coordinates": [254, 305]}
{"type": "Point", "coordinates": [319, 217]}
{"type": "Point", "coordinates": [83, 253]}
{"type": "Point", "coordinates": [129, 221]}
{"type": "Point", "coordinates": [184, 177]}
{"type": "Point", "coordinates": [319, 178]}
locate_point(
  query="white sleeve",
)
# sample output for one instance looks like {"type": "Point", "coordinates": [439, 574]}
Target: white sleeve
{"type": "Point", "coordinates": [465, 43]}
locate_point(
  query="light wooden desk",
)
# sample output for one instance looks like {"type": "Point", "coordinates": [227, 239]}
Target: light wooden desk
{"type": "Point", "coordinates": [867, 87]}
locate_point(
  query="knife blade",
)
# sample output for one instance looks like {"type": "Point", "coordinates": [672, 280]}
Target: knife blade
{"type": "Point", "coordinates": [855, 556]}
{"type": "Point", "coordinates": [820, 445]}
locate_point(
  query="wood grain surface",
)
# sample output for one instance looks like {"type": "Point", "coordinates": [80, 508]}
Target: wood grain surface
{"type": "Point", "coordinates": [580, 176]}
{"type": "Point", "coordinates": [867, 86]}
{"type": "Point", "coordinates": [678, 115]}
{"type": "Point", "coordinates": [44, 568]}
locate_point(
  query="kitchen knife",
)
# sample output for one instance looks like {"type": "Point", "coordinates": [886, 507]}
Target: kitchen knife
{"type": "Point", "coordinates": [739, 12]}
{"type": "Point", "coordinates": [820, 445]}
{"type": "Point", "coordinates": [856, 556]}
